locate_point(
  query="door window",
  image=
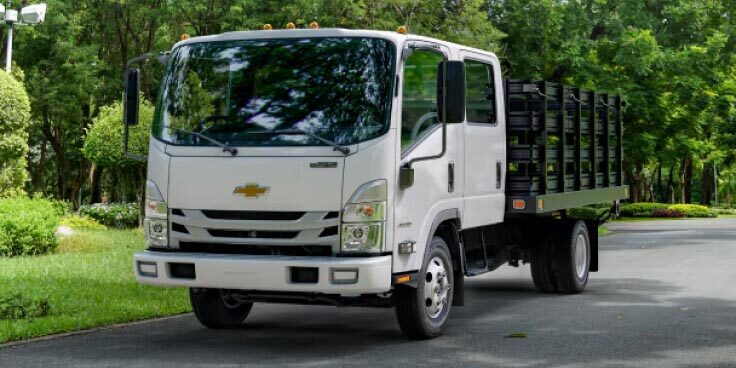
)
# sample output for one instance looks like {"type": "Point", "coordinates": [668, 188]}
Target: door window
{"type": "Point", "coordinates": [481, 96]}
{"type": "Point", "coordinates": [419, 109]}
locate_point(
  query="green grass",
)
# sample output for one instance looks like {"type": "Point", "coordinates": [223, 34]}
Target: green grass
{"type": "Point", "coordinates": [602, 230]}
{"type": "Point", "coordinates": [88, 281]}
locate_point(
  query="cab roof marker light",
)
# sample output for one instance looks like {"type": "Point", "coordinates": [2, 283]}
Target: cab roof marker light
{"type": "Point", "coordinates": [402, 30]}
{"type": "Point", "coordinates": [290, 25]}
{"type": "Point", "coordinates": [267, 27]}
{"type": "Point", "coordinates": [314, 25]}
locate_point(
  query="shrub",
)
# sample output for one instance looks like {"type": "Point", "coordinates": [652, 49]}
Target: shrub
{"type": "Point", "coordinates": [82, 222]}
{"type": "Point", "coordinates": [119, 215]}
{"type": "Point", "coordinates": [588, 213]}
{"type": "Point", "coordinates": [666, 212]}
{"type": "Point", "coordinates": [692, 210]}
{"type": "Point", "coordinates": [16, 306]}
{"type": "Point", "coordinates": [641, 209]}
{"type": "Point", "coordinates": [27, 226]}
{"type": "Point", "coordinates": [724, 211]}
{"type": "Point", "coordinates": [15, 114]}
{"type": "Point", "coordinates": [103, 143]}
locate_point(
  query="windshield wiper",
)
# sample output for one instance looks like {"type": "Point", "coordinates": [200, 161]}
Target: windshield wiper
{"type": "Point", "coordinates": [295, 131]}
{"type": "Point", "coordinates": [225, 147]}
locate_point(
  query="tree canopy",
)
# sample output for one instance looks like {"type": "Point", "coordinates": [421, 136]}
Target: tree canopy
{"type": "Point", "coordinates": [673, 60]}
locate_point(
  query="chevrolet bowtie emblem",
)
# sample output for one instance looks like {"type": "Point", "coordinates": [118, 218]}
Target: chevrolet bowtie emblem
{"type": "Point", "coordinates": [251, 190]}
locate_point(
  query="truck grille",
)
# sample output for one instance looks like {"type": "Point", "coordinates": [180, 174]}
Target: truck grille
{"type": "Point", "coordinates": [254, 232]}
{"type": "Point", "coordinates": [261, 250]}
{"type": "Point", "coordinates": [253, 215]}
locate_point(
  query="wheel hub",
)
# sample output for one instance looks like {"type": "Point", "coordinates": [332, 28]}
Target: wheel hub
{"type": "Point", "coordinates": [581, 256]}
{"type": "Point", "coordinates": [436, 287]}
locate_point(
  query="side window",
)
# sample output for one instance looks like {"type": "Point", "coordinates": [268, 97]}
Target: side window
{"type": "Point", "coordinates": [419, 109]}
{"type": "Point", "coordinates": [481, 97]}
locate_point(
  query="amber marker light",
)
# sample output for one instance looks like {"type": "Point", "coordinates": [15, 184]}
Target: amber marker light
{"type": "Point", "coordinates": [367, 211]}
{"type": "Point", "coordinates": [402, 29]}
{"type": "Point", "coordinates": [290, 25]}
{"type": "Point", "coordinates": [267, 27]}
{"type": "Point", "coordinates": [314, 25]}
{"type": "Point", "coordinates": [518, 204]}
{"type": "Point", "coordinates": [184, 37]}
{"type": "Point", "coordinates": [403, 279]}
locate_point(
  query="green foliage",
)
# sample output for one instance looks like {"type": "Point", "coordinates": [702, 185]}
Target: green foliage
{"type": "Point", "coordinates": [118, 215]}
{"type": "Point", "coordinates": [668, 213]}
{"type": "Point", "coordinates": [88, 282]}
{"type": "Point", "coordinates": [103, 143]}
{"type": "Point", "coordinates": [14, 121]}
{"type": "Point", "coordinates": [588, 213]}
{"type": "Point", "coordinates": [692, 210]}
{"type": "Point", "coordinates": [642, 209]}
{"type": "Point", "coordinates": [27, 226]}
{"type": "Point", "coordinates": [82, 222]}
{"type": "Point", "coordinates": [16, 306]}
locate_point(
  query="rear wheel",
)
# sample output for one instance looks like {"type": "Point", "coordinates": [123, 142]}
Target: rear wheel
{"type": "Point", "coordinates": [573, 260]}
{"type": "Point", "coordinates": [216, 308]}
{"type": "Point", "coordinates": [422, 312]}
{"type": "Point", "coordinates": [562, 262]}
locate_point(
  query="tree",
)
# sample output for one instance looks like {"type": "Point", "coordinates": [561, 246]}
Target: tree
{"type": "Point", "coordinates": [15, 113]}
{"type": "Point", "coordinates": [103, 145]}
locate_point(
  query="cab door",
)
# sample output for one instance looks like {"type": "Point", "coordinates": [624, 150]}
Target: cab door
{"type": "Point", "coordinates": [484, 141]}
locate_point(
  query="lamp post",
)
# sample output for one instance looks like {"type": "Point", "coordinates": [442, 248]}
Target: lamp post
{"type": "Point", "coordinates": [29, 15]}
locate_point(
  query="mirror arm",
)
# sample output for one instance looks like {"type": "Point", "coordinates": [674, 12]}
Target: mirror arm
{"type": "Point", "coordinates": [129, 155]}
{"type": "Point", "coordinates": [427, 158]}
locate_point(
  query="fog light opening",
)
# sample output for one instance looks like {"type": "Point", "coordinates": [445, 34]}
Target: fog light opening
{"type": "Point", "coordinates": [147, 269]}
{"type": "Point", "coordinates": [344, 275]}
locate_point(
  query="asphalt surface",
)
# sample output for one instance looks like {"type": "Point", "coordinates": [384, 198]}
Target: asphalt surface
{"type": "Point", "coordinates": [665, 297]}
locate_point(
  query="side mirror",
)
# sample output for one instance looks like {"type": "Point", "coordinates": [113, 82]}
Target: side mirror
{"type": "Point", "coordinates": [406, 177]}
{"type": "Point", "coordinates": [132, 95]}
{"type": "Point", "coordinates": [451, 92]}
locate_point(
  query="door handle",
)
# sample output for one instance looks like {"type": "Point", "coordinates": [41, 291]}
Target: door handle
{"type": "Point", "coordinates": [499, 175]}
{"type": "Point", "coordinates": [451, 177]}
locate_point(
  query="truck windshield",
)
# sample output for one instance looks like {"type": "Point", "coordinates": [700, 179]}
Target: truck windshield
{"type": "Point", "coordinates": [337, 88]}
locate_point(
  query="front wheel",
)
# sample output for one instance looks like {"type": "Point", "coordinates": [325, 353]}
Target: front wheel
{"type": "Point", "coordinates": [215, 308]}
{"type": "Point", "coordinates": [422, 312]}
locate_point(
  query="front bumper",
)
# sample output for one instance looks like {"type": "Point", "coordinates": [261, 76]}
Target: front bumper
{"type": "Point", "coordinates": [265, 273]}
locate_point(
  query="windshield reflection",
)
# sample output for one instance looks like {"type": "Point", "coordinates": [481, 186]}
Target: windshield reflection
{"type": "Point", "coordinates": [337, 88]}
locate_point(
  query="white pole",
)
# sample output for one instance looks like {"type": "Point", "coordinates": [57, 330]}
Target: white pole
{"type": "Point", "coordinates": [9, 48]}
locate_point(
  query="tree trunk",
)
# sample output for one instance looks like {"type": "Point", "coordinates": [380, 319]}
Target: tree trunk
{"type": "Point", "coordinates": [684, 167]}
{"type": "Point", "coordinates": [707, 185]}
{"type": "Point", "coordinates": [689, 182]}
{"type": "Point", "coordinates": [95, 177]}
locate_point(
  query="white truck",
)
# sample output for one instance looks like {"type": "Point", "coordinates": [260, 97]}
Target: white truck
{"type": "Point", "coordinates": [364, 168]}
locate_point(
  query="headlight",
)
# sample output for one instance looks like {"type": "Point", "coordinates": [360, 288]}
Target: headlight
{"type": "Point", "coordinates": [362, 238]}
{"type": "Point", "coordinates": [363, 219]}
{"type": "Point", "coordinates": [156, 221]}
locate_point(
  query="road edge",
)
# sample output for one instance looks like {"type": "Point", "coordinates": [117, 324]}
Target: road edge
{"type": "Point", "coordinates": [61, 335]}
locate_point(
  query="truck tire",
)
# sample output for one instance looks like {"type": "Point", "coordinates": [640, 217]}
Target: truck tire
{"type": "Point", "coordinates": [542, 265]}
{"type": "Point", "coordinates": [422, 312]}
{"type": "Point", "coordinates": [213, 309]}
{"type": "Point", "coordinates": [573, 259]}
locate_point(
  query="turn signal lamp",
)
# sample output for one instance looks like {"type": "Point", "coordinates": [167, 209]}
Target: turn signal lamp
{"type": "Point", "coordinates": [290, 25]}
{"type": "Point", "coordinates": [518, 204]}
{"type": "Point", "coordinates": [314, 25]}
{"type": "Point", "coordinates": [267, 27]}
{"type": "Point", "coordinates": [184, 37]}
{"type": "Point", "coordinates": [402, 279]}
{"type": "Point", "coordinates": [402, 29]}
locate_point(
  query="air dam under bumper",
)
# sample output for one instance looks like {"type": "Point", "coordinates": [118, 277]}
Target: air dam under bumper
{"type": "Point", "coordinates": [267, 273]}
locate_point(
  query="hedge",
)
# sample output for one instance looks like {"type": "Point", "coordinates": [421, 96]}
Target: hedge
{"type": "Point", "coordinates": [645, 209]}
{"type": "Point", "coordinates": [27, 226]}
{"type": "Point", "coordinates": [118, 215]}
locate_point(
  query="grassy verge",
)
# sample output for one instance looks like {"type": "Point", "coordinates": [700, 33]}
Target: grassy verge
{"type": "Point", "coordinates": [87, 282]}
{"type": "Point", "coordinates": [602, 230]}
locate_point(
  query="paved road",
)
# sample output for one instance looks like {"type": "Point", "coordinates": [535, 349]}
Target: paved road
{"type": "Point", "coordinates": [666, 297]}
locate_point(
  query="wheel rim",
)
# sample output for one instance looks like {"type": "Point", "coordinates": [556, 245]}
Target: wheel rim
{"type": "Point", "coordinates": [581, 256]}
{"type": "Point", "coordinates": [436, 287]}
